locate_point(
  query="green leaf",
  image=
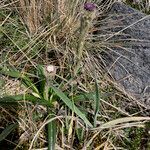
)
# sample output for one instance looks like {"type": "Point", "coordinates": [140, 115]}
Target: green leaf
{"type": "Point", "coordinates": [12, 72]}
{"type": "Point", "coordinates": [7, 131]}
{"type": "Point", "coordinates": [28, 83]}
{"type": "Point", "coordinates": [7, 100]}
{"type": "Point", "coordinates": [80, 133]}
{"type": "Point", "coordinates": [70, 104]}
{"type": "Point", "coordinates": [41, 80]}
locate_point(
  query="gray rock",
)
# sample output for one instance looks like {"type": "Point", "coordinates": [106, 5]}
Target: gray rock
{"type": "Point", "coordinates": [125, 32]}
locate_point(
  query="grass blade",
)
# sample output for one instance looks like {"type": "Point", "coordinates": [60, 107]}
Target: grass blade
{"type": "Point", "coordinates": [113, 123]}
{"type": "Point", "coordinates": [97, 99]}
{"type": "Point", "coordinates": [7, 131]}
{"type": "Point", "coordinates": [69, 103]}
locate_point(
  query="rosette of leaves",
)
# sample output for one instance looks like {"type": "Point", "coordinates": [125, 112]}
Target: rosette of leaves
{"type": "Point", "coordinates": [44, 93]}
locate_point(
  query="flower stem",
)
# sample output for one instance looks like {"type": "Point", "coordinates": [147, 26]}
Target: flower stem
{"type": "Point", "coordinates": [84, 28]}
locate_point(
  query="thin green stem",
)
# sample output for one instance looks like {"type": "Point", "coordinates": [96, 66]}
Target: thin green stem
{"type": "Point", "coordinates": [52, 129]}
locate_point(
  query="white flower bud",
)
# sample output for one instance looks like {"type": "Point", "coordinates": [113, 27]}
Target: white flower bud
{"type": "Point", "coordinates": [50, 71]}
{"type": "Point", "coordinates": [50, 68]}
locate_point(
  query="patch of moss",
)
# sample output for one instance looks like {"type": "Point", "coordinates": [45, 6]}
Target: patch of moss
{"type": "Point", "coordinates": [138, 138]}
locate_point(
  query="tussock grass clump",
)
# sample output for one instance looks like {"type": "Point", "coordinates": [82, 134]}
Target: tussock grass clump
{"type": "Point", "coordinates": [66, 101]}
{"type": "Point", "coordinates": [142, 5]}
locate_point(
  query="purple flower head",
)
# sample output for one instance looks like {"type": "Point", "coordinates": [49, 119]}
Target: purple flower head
{"type": "Point", "coordinates": [89, 6]}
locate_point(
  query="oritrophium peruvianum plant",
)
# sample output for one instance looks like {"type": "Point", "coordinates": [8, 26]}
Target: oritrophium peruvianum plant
{"type": "Point", "coordinates": [44, 92]}
{"type": "Point", "coordinates": [85, 23]}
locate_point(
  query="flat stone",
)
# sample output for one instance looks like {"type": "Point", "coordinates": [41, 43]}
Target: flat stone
{"type": "Point", "coordinates": [125, 32]}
